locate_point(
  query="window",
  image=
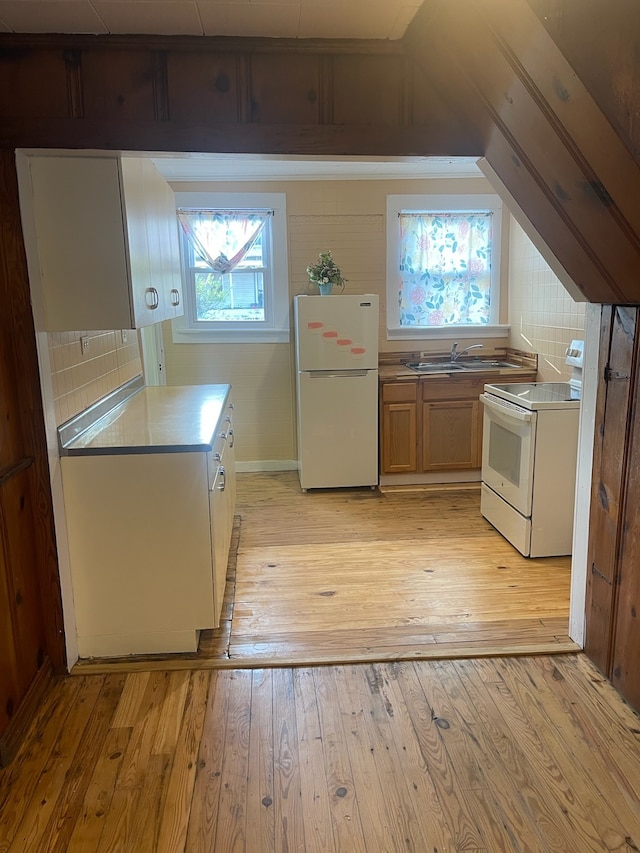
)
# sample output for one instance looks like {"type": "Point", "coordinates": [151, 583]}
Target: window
{"type": "Point", "coordinates": [443, 266]}
{"type": "Point", "coordinates": [234, 267]}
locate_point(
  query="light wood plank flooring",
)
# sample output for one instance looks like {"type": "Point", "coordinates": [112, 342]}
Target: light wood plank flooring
{"type": "Point", "coordinates": [530, 754]}
{"type": "Point", "coordinates": [360, 575]}
{"type": "Point", "coordinates": [348, 575]}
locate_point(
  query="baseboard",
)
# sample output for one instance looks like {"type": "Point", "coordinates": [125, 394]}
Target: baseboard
{"type": "Point", "coordinates": [472, 476]}
{"type": "Point", "coordinates": [264, 465]}
{"type": "Point", "coordinates": [23, 717]}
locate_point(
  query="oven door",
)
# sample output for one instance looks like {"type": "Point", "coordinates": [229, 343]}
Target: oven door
{"type": "Point", "coordinates": [508, 450]}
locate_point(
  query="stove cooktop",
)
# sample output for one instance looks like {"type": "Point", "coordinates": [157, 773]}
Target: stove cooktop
{"type": "Point", "coordinates": [538, 395]}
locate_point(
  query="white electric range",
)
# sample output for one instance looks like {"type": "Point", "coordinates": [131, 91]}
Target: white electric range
{"type": "Point", "coordinates": [529, 461]}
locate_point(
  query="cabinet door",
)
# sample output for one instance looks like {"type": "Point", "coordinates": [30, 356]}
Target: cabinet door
{"type": "Point", "coordinates": [159, 297]}
{"type": "Point", "coordinates": [219, 509]}
{"type": "Point", "coordinates": [399, 438]}
{"type": "Point", "coordinates": [222, 500]}
{"type": "Point", "coordinates": [143, 198]}
{"type": "Point", "coordinates": [172, 269]}
{"type": "Point", "coordinates": [79, 250]}
{"type": "Point", "coordinates": [450, 435]}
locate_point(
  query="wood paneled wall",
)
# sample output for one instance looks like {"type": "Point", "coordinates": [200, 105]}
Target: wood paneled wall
{"type": "Point", "coordinates": [31, 630]}
{"type": "Point", "coordinates": [217, 94]}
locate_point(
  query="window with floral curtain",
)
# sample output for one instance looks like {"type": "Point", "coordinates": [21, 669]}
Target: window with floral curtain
{"type": "Point", "coordinates": [227, 262]}
{"type": "Point", "coordinates": [445, 268]}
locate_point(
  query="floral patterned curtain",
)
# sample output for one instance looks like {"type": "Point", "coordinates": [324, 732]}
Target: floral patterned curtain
{"type": "Point", "coordinates": [445, 268]}
{"type": "Point", "coordinates": [221, 238]}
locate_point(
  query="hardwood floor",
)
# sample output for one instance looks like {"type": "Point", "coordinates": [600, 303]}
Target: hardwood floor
{"type": "Point", "coordinates": [355, 575]}
{"type": "Point", "coordinates": [206, 754]}
{"type": "Point", "coordinates": [361, 575]}
{"type": "Point", "coordinates": [534, 754]}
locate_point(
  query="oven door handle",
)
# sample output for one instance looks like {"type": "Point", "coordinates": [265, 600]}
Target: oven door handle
{"type": "Point", "coordinates": [506, 411]}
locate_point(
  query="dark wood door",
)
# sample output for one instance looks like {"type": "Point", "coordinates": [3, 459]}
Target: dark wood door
{"type": "Point", "coordinates": [31, 636]}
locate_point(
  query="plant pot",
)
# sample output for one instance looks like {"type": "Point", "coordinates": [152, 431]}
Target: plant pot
{"type": "Point", "coordinates": [325, 289]}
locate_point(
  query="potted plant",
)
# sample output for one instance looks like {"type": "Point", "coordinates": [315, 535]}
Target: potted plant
{"type": "Point", "coordinates": [325, 273]}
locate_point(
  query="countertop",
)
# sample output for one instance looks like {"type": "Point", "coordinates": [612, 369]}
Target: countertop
{"type": "Point", "coordinates": [158, 419]}
{"type": "Point", "coordinates": [389, 372]}
{"type": "Point", "coordinates": [392, 365]}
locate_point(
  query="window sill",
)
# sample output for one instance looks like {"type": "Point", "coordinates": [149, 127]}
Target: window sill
{"type": "Point", "coordinates": [210, 336]}
{"type": "Point", "coordinates": [422, 333]}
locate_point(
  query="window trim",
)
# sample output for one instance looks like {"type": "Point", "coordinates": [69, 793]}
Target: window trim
{"type": "Point", "coordinates": [449, 203]}
{"type": "Point", "coordinates": [276, 328]}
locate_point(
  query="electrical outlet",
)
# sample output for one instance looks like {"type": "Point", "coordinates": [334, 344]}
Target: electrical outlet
{"type": "Point", "coordinates": [124, 336]}
{"type": "Point", "coordinates": [84, 344]}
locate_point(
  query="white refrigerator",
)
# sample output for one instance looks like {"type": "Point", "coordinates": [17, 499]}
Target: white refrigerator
{"type": "Point", "coordinates": [337, 390]}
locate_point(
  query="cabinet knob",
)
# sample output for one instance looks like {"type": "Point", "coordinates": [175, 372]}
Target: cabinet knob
{"type": "Point", "coordinates": [232, 438]}
{"type": "Point", "coordinates": [175, 297]}
{"type": "Point", "coordinates": [223, 479]}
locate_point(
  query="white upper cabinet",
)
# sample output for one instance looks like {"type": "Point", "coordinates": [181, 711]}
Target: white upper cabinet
{"type": "Point", "coordinates": [106, 237]}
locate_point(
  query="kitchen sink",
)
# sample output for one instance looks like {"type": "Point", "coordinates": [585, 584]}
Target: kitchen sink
{"type": "Point", "coordinates": [450, 366]}
{"type": "Point", "coordinates": [433, 367]}
{"type": "Point", "coordinates": [486, 365]}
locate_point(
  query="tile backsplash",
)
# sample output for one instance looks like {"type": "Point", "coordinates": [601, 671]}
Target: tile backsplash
{"type": "Point", "coordinates": [82, 375]}
{"type": "Point", "coordinates": [544, 318]}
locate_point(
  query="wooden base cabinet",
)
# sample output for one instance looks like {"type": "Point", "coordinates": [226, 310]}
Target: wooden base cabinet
{"type": "Point", "coordinates": [434, 424]}
{"type": "Point", "coordinates": [451, 435]}
{"type": "Point", "coordinates": [399, 427]}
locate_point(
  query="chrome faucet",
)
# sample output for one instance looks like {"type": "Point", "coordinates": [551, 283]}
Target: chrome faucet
{"type": "Point", "coordinates": [455, 355]}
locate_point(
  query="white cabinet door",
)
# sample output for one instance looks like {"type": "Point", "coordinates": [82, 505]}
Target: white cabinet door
{"type": "Point", "coordinates": [106, 251]}
{"type": "Point", "coordinates": [140, 551]}
{"type": "Point", "coordinates": [81, 253]}
{"type": "Point", "coordinates": [222, 499]}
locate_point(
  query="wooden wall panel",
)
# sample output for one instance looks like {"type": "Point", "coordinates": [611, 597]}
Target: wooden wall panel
{"type": "Point", "coordinates": [9, 671]}
{"type": "Point", "coordinates": [31, 636]}
{"type": "Point", "coordinates": [285, 89]}
{"type": "Point", "coordinates": [19, 547]}
{"type": "Point", "coordinates": [600, 40]}
{"type": "Point", "coordinates": [33, 82]}
{"type": "Point", "coordinates": [368, 90]}
{"type": "Point", "coordinates": [617, 349]}
{"type": "Point", "coordinates": [118, 84]}
{"type": "Point", "coordinates": [625, 655]}
{"type": "Point", "coordinates": [205, 86]}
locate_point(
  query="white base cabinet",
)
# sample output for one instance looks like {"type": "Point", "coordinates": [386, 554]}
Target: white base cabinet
{"type": "Point", "coordinates": [149, 537]}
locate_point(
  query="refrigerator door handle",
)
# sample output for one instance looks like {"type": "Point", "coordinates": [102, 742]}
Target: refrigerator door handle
{"type": "Point", "coordinates": [335, 374]}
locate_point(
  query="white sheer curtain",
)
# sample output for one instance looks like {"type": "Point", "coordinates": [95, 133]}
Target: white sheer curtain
{"type": "Point", "coordinates": [221, 238]}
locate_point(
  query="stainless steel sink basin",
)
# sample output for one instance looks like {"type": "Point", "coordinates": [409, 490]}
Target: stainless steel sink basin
{"type": "Point", "coordinates": [486, 365]}
{"type": "Point", "coordinates": [450, 366]}
{"type": "Point", "coordinates": [433, 367]}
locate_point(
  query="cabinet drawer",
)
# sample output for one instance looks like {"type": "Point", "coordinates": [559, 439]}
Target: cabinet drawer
{"type": "Point", "coordinates": [452, 389]}
{"type": "Point", "coordinates": [400, 392]}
